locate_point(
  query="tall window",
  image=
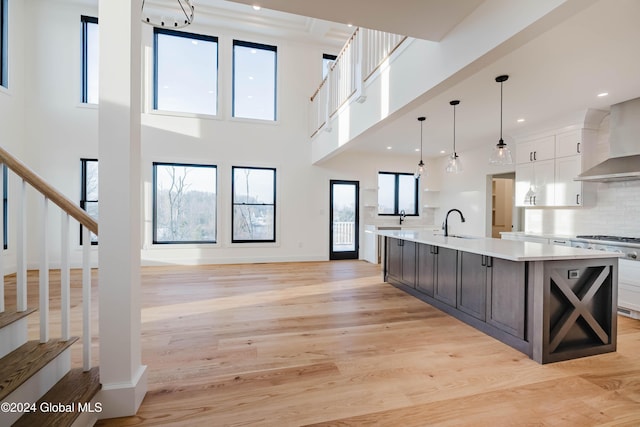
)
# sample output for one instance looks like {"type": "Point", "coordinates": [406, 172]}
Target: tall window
{"type": "Point", "coordinates": [186, 72]}
{"type": "Point", "coordinates": [254, 204]}
{"type": "Point", "coordinates": [254, 80]}
{"type": "Point", "coordinates": [397, 192]}
{"type": "Point", "coordinates": [184, 203]}
{"type": "Point", "coordinates": [90, 46]}
{"type": "Point", "coordinates": [4, 49]}
{"type": "Point", "coordinates": [89, 192]}
{"type": "Point", "coordinates": [326, 61]}
{"type": "Point", "coordinates": [5, 203]}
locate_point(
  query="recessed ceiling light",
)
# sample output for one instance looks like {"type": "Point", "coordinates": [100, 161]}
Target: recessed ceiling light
{"type": "Point", "coordinates": [388, 148]}
{"type": "Point", "coordinates": [194, 42]}
{"type": "Point", "coordinates": [250, 77]}
{"type": "Point", "coordinates": [600, 95]}
{"type": "Point", "coordinates": [417, 149]}
{"type": "Point", "coordinates": [349, 25]}
{"type": "Point", "coordinates": [256, 7]}
{"type": "Point", "coordinates": [253, 51]}
{"type": "Point", "coordinates": [442, 151]}
{"type": "Point", "coordinates": [520, 120]}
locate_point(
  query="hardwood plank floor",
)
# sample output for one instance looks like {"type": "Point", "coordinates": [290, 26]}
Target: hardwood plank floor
{"type": "Point", "coordinates": [329, 343]}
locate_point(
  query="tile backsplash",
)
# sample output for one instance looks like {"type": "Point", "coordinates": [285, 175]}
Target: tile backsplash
{"type": "Point", "coordinates": [616, 212]}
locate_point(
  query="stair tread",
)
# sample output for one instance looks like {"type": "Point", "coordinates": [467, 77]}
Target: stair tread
{"type": "Point", "coordinates": [74, 388]}
{"type": "Point", "coordinates": [8, 317]}
{"type": "Point", "coordinates": [20, 365]}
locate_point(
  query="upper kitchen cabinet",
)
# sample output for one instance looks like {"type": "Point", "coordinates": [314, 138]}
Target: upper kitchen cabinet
{"type": "Point", "coordinates": [569, 143]}
{"type": "Point", "coordinates": [569, 163]}
{"type": "Point", "coordinates": [536, 150]}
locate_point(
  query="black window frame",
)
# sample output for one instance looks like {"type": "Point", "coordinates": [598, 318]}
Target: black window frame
{"type": "Point", "coordinates": [234, 204]}
{"type": "Point", "coordinates": [154, 220]}
{"type": "Point", "coordinates": [5, 204]}
{"type": "Point", "coordinates": [85, 21]}
{"type": "Point", "coordinates": [4, 43]}
{"type": "Point", "coordinates": [396, 194]}
{"type": "Point", "coordinates": [186, 35]}
{"type": "Point", "coordinates": [330, 58]}
{"type": "Point", "coordinates": [83, 191]}
{"type": "Point", "coordinates": [253, 45]}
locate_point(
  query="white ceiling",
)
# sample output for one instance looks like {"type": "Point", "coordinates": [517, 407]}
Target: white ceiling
{"type": "Point", "coordinates": [555, 75]}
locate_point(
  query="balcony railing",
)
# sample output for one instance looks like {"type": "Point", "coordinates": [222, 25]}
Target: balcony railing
{"type": "Point", "coordinates": [362, 55]}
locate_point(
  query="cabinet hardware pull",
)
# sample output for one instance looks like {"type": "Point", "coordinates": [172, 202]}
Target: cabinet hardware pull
{"type": "Point", "coordinates": [578, 147]}
{"type": "Point", "coordinates": [435, 250]}
{"type": "Point", "coordinates": [531, 156]}
{"type": "Point", "coordinates": [534, 155]}
{"type": "Point", "coordinates": [577, 199]}
{"type": "Point", "coordinates": [534, 200]}
{"type": "Point", "coordinates": [483, 262]}
{"type": "Point", "coordinates": [489, 262]}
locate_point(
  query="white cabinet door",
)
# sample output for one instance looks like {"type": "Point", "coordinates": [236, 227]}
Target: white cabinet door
{"type": "Point", "coordinates": [569, 143]}
{"type": "Point", "coordinates": [536, 150]}
{"type": "Point", "coordinates": [544, 183]}
{"type": "Point", "coordinates": [524, 181]}
{"type": "Point", "coordinates": [567, 191]}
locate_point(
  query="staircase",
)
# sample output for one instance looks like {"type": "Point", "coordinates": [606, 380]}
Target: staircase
{"type": "Point", "coordinates": [39, 382]}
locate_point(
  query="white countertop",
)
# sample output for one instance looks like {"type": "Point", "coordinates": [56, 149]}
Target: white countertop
{"type": "Point", "coordinates": [572, 238]}
{"type": "Point", "coordinates": [499, 248]}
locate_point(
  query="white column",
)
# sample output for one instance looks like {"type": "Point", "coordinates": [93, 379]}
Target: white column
{"type": "Point", "coordinates": [122, 375]}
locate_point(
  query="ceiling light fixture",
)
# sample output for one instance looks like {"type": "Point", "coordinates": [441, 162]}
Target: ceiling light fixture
{"type": "Point", "coordinates": [454, 165]}
{"type": "Point", "coordinates": [420, 170]}
{"type": "Point", "coordinates": [520, 120]}
{"type": "Point", "coordinates": [177, 16]}
{"type": "Point", "coordinates": [501, 155]}
{"type": "Point", "coordinates": [600, 95]}
{"type": "Point", "coordinates": [256, 7]}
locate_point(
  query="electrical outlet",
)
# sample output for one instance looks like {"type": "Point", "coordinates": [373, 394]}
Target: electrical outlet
{"type": "Point", "coordinates": [574, 274]}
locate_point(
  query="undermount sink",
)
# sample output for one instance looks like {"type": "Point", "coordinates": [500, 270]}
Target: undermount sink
{"type": "Point", "coordinates": [390, 227]}
{"type": "Point", "coordinates": [457, 236]}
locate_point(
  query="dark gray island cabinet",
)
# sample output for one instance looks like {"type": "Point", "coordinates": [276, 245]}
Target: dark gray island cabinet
{"type": "Point", "coordinates": [550, 302]}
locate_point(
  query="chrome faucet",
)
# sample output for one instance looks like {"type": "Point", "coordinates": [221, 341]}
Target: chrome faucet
{"type": "Point", "coordinates": [445, 226]}
{"type": "Point", "coordinates": [402, 216]}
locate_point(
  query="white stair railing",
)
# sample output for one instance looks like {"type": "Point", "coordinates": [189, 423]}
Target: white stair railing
{"type": "Point", "coordinates": [363, 54]}
{"type": "Point", "coordinates": [69, 210]}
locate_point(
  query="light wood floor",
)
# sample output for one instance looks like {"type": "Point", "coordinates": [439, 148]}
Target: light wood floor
{"type": "Point", "coordinates": [329, 343]}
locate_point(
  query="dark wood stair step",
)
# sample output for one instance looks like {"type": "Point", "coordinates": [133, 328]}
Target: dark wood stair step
{"type": "Point", "coordinates": [23, 362]}
{"type": "Point", "coordinates": [8, 317]}
{"type": "Point", "coordinates": [73, 390]}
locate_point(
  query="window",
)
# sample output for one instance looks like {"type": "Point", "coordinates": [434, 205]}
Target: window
{"type": "Point", "coordinates": [254, 204]}
{"type": "Point", "coordinates": [327, 60]}
{"type": "Point", "coordinates": [254, 81]}
{"type": "Point", "coordinates": [397, 192]}
{"type": "Point", "coordinates": [186, 72]}
{"type": "Point", "coordinates": [89, 192]}
{"type": "Point", "coordinates": [184, 203]}
{"type": "Point", "coordinates": [4, 49]}
{"type": "Point", "coordinates": [90, 55]}
{"type": "Point", "coordinates": [5, 203]}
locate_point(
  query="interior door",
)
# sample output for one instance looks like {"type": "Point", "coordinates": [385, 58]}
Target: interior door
{"type": "Point", "coordinates": [343, 219]}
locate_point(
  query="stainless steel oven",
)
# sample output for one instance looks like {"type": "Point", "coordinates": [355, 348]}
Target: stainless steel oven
{"type": "Point", "coordinates": [628, 268]}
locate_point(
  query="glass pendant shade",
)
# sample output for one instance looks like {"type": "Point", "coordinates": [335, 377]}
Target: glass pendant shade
{"type": "Point", "coordinates": [454, 165]}
{"type": "Point", "coordinates": [501, 155]}
{"type": "Point", "coordinates": [420, 170]}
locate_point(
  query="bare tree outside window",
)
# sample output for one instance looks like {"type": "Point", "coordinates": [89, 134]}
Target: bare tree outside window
{"type": "Point", "coordinates": [184, 203]}
{"type": "Point", "coordinates": [253, 204]}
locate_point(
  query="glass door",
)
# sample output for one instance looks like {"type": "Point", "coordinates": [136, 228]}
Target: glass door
{"type": "Point", "coordinates": [343, 220]}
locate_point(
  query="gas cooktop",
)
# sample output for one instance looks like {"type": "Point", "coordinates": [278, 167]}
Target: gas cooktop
{"type": "Point", "coordinates": [612, 238]}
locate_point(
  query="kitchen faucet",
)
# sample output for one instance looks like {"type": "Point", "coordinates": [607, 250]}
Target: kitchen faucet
{"type": "Point", "coordinates": [445, 226]}
{"type": "Point", "coordinates": [402, 216]}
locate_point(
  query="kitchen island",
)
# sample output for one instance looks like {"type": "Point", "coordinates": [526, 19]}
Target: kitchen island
{"type": "Point", "coordinates": [550, 302]}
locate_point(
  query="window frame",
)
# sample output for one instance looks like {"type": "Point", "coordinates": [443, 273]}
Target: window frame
{"type": "Point", "coordinates": [154, 219]}
{"type": "Point", "coordinates": [233, 205]}
{"type": "Point", "coordinates": [4, 43]}
{"type": "Point", "coordinates": [5, 204]}
{"type": "Point", "coordinates": [329, 57]}
{"type": "Point", "coordinates": [396, 194]}
{"type": "Point", "coordinates": [186, 35]}
{"type": "Point", "coordinates": [83, 191]}
{"type": "Point", "coordinates": [260, 46]}
{"type": "Point", "coordinates": [85, 21]}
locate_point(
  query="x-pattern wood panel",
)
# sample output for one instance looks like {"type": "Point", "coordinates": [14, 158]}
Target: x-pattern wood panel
{"type": "Point", "coordinates": [579, 302]}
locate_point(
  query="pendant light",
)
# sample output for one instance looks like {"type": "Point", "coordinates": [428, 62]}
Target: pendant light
{"type": "Point", "coordinates": [501, 155]}
{"type": "Point", "coordinates": [420, 169]}
{"type": "Point", "coordinates": [454, 165]}
{"type": "Point", "coordinates": [179, 14]}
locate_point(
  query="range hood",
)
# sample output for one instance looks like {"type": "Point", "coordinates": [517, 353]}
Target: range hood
{"type": "Point", "coordinates": [624, 161]}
